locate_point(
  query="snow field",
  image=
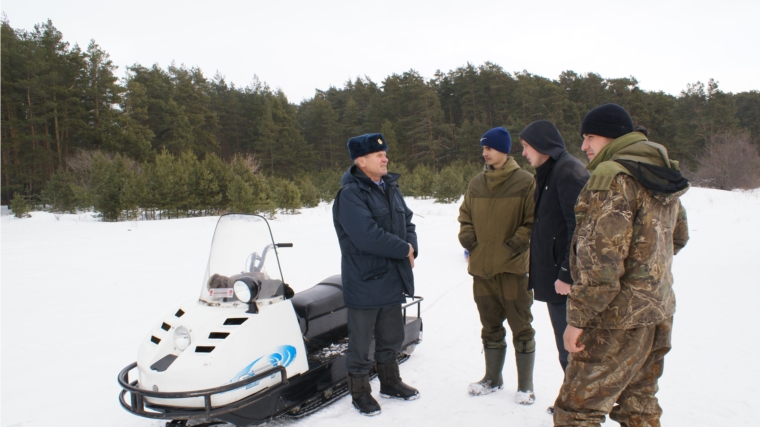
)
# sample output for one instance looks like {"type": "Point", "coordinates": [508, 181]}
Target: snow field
{"type": "Point", "coordinates": [79, 295]}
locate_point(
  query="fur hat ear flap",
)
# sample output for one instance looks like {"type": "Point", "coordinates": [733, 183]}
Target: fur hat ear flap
{"type": "Point", "coordinates": [362, 145]}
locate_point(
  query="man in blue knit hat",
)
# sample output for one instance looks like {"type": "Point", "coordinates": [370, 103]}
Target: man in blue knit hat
{"type": "Point", "coordinates": [378, 244]}
{"type": "Point", "coordinates": [495, 219]}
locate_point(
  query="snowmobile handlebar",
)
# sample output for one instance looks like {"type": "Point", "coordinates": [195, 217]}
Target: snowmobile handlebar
{"type": "Point", "coordinates": [138, 395]}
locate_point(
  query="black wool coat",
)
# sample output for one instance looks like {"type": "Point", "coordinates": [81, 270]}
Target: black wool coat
{"type": "Point", "coordinates": [554, 225]}
{"type": "Point", "coordinates": [374, 231]}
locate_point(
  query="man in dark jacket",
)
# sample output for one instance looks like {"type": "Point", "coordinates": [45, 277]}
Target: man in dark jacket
{"type": "Point", "coordinates": [378, 244]}
{"type": "Point", "coordinates": [559, 179]}
{"type": "Point", "coordinates": [495, 220]}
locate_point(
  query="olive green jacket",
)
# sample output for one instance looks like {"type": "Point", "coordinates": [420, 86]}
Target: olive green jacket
{"type": "Point", "coordinates": [495, 220]}
{"type": "Point", "coordinates": [626, 235]}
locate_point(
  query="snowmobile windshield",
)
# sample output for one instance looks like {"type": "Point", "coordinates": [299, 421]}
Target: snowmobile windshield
{"type": "Point", "coordinates": [242, 247]}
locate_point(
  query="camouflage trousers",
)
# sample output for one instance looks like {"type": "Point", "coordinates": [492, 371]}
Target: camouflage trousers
{"type": "Point", "coordinates": [505, 296]}
{"type": "Point", "coordinates": [618, 366]}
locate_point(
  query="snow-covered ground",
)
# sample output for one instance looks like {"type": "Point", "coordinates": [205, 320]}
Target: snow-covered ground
{"type": "Point", "coordinates": [79, 295]}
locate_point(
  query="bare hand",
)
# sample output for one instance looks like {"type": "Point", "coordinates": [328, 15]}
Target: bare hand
{"type": "Point", "coordinates": [572, 339]}
{"type": "Point", "coordinates": [411, 255]}
{"type": "Point", "coordinates": [562, 288]}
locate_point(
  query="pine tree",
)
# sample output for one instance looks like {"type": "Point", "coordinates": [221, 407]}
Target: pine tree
{"type": "Point", "coordinates": [240, 195]}
{"type": "Point", "coordinates": [449, 185]}
{"type": "Point", "coordinates": [58, 193]}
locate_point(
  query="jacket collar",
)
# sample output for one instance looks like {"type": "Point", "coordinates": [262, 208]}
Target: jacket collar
{"type": "Point", "coordinates": [636, 147]}
{"type": "Point", "coordinates": [354, 174]}
{"type": "Point", "coordinates": [496, 177]}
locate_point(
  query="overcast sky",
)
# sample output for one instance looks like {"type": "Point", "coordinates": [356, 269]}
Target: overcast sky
{"type": "Point", "coordinates": [300, 46]}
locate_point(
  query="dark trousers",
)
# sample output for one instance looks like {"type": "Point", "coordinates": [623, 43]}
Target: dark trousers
{"type": "Point", "coordinates": [505, 297]}
{"type": "Point", "coordinates": [387, 325]}
{"type": "Point", "coordinates": [558, 316]}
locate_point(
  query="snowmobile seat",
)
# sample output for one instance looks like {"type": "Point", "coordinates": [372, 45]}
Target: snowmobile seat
{"type": "Point", "coordinates": [321, 312]}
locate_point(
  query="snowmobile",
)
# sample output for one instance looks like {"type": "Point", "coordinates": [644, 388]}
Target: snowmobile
{"type": "Point", "coordinates": [248, 350]}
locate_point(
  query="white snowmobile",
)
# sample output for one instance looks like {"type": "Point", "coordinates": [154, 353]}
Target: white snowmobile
{"type": "Point", "coordinates": [248, 350]}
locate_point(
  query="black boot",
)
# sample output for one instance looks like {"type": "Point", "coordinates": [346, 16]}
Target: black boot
{"type": "Point", "coordinates": [492, 380]}
{"type": "Point", "coordinates": [391, 385]}
{"type": "Point", "coordinates": [360, 390]}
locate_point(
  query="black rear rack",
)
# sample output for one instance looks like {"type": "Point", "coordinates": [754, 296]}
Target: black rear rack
{"type": "Point", "coordinates": [415, 300]}
{"type": "Point", "coordinates": [138, 396]}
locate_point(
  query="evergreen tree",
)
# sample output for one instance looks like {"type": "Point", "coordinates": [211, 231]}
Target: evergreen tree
{"type": "Point", "coordinates": [309, 193]}
{"type": "Point", "coordinates": [449, 185]}
{"type": "Point", "coordinates": [109, 176]}
{"type": "Point", "coordinates": [240, 196]}
{"type": "Point", "coordinates": [705, 111]}
{"type": "Point", "coordinates": [420, 182]}
{"type": "Point", "coordinates": [100, 93]}
{"type": "Point", "coordinates": [137, 136]}
{"type": "Point", "coordinates": [20, 206]}
{"type": "Point", "coordinates": [287, 196]}
{"type": "Point", "coordinates": [748, 113]}
{"type": "Point", "coordinates": [192, 95]}
{"type": "Point", "coordinates": [216, 174]}
{"type": "Point", "coordinates": [320, 129]}
{"type": "Point", "coordinates": [264, 198]}
{"type": "Point", "coordinates": [161, 181]}
{"type": "Point", "coordinates": [58, 193]}
{"type": "Point", "coordinates": [328, 183]}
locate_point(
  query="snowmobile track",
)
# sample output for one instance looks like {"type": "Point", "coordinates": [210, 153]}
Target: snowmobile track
{"type": "Point", "coordinates": [320, 401]}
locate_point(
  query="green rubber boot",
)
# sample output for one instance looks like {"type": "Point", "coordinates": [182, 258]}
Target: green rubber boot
{"type": "Point", "coordinates": [525, 362]}
{"type": "Point", "coordinates": [492, 381]}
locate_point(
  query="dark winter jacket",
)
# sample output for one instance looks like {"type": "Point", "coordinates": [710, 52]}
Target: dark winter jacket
{"type": "Point", "coordinates": [495, 219]}
{"type": "Point", "coordinates": [563, 177]}
{"type": "Point", "coordinates": [374, 231]}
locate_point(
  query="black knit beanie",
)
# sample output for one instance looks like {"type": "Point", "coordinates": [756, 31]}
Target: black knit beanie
{"type": "Point", "coordinates": [544, 137]}
{"type": "Point", "coordinates": [609, 120]}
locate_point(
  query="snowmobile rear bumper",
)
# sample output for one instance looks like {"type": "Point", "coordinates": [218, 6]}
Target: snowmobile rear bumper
{"type": "Point", "coordinates": [137, 403]}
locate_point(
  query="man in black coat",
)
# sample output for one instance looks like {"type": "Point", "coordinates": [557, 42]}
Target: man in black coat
{"type": "Point", "coordinates": [378, 244]}
{"type": "Point", "coordinates": [559, 180]}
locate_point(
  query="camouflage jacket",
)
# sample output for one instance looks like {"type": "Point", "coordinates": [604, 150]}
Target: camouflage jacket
{"type": "Point", "coordinates": [495, 220]}
{"type": "Point", "coordinates": [630, 223]}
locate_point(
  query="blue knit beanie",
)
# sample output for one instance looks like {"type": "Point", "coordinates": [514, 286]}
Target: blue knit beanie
{"type": "Point", "coordinates": [362, 145]}
{"type": "Point", "coordinates": [498, 139]}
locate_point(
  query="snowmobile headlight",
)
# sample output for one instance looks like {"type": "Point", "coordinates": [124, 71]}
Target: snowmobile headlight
{"type": "Point", "coordinates": [181, 338]}
{"type": "Point", "coordinates": [246, 289]}
{"type": "Point", "coordinates": [242, 291]}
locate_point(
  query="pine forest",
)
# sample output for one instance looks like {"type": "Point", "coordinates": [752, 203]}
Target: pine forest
{"type": "Point", "coordinates": [152, 143]}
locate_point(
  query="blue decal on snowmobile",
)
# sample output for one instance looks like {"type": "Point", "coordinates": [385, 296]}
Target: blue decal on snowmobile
{"type": "Point", "coordinates": [282, 356]}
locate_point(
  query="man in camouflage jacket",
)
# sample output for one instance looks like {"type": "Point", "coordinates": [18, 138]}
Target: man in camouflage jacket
{"type": "Point", "coordinates": [630, 223]}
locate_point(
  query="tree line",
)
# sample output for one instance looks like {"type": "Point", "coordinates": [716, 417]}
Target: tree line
{"type": "Point", "coordinates": [67, 117]}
